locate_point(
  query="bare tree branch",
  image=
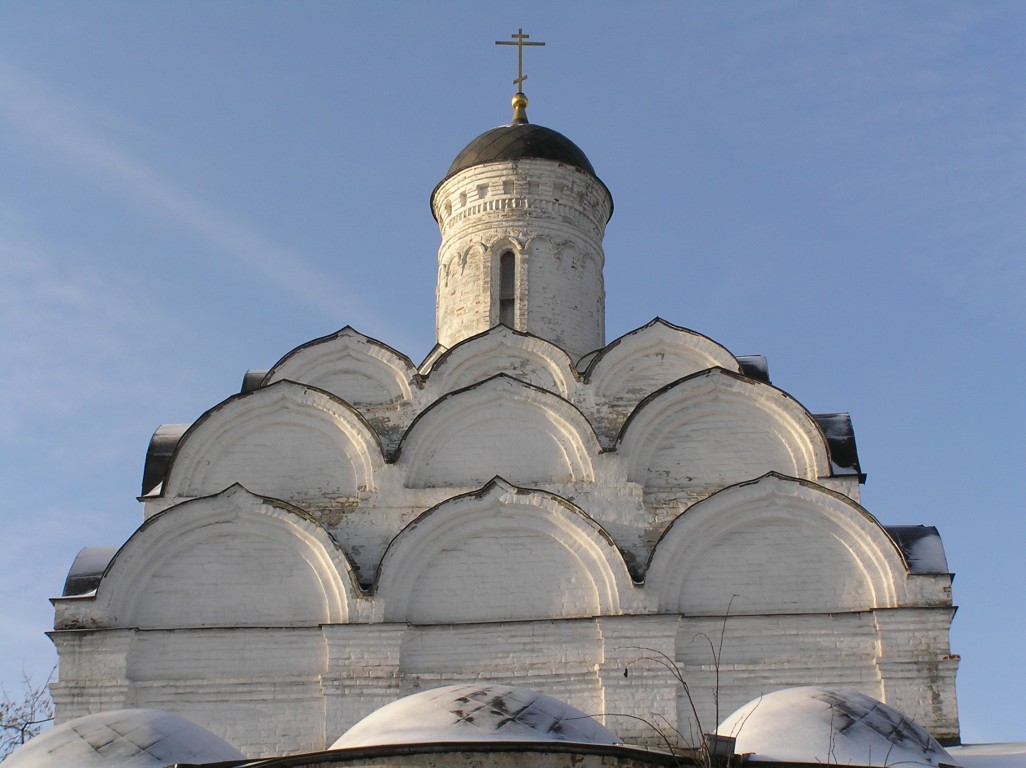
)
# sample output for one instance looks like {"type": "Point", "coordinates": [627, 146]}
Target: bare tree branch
{"type": "Point", "coordinates": [26, 714]}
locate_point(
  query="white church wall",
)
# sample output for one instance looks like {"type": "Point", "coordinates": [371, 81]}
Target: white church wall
{"type": "Point", "coordinates": [381, 383]}
{"type": "Point", "coordinates": [499, 427]}
{"type": "Point", "coordinates": [781, 546]}
{"type": "Point", "coordinates": [270, 438]}
{"type": "Point", "coordinates": [362, 672]}
{"type": "Point", "coordinates": [230, 560]}
{"type": "Point", "coordinates": [554, 657]}
{"type": "Point", "coordinates": [567, 298]}
{"type": "Point", "coordinates": [917, 667]}
{"type": "Point", "coordinates": [354, 367]}
{"type": "Point", "coordinates": [216, 578]}
{"type": "Point", "coordinates": [460, 562]}
{"type": "Point", "coordinates": [637, 364]}
{"type": "Point", "coordinates": [636, 682]}
{"type": "Point", "coordinates": [237, 681]}
{"type": "Point", "coordinates": [484, 211]}
{"type": "Point", "coordinates": [93, 670]}
{"type": "Point", "coordinates": [715, 429]}
{"type": "Point", "coordinates": [761, 654]}
{"type": "Point", "coordinates": [502, 350]}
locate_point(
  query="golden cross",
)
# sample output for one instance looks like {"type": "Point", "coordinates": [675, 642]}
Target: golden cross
{"type": "Point", "coordinates": [519, 41]}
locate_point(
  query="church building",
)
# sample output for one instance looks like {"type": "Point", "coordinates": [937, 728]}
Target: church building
{"type": "Point", "coordinates": [646, 528]}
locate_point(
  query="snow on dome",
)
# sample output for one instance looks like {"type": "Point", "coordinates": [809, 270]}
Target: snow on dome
{"type": "Point", "coordinates": [475, 712]}
{"type": "Point", "coordinates": [819, 725]}
{"type": "Point", "coordinates": [124, 738]}
{"type": "Point", "coordinates": [1007, 755]}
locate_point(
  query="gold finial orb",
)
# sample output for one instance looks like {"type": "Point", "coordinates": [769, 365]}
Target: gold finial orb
{"type": "Point", "coordinates": [519, 101]}
{"type": "Point", "coordinates": [519, 108]}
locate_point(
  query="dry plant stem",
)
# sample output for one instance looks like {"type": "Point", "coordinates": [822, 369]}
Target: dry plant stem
{"type": "Point", "coordinates": [670, 665]}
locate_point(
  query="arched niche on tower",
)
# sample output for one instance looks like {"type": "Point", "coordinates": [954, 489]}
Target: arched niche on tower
{"type": "Point", "coordinates": [502, 554]}
{"type": "Point", "coordinates": [776, 545]}
{"type": "Point", "coordinates": [456, 258]}
{"type": "Point", "coordinates": [464, 300]}
{"type": "Point", "coordinates": [716, 428]}
{"type": "Point", "coordinates": [286, 440]}
{"type": "Point", "coordinates": [500, 426]}
{"type": "Point", "coordinates": [566, 299]}
{"type": "Point", "coordinates": [640, 362]}
{"type": "Point", "coordinates": [502, 350]}
{"type": "Point", "coordinates": [230, 560]}
{"type": "Point", "coordinates": [509, 280]}
{"type": "Point", "coordinates": [354, 367]}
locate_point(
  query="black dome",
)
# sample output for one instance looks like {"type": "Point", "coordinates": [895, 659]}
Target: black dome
{"type": "Point", "coordinates": [512, 142]}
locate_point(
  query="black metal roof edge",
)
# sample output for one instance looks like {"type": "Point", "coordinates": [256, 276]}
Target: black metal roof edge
{"type": "Point", "coordinates": [253, 378]}
{"type": "Point", "coordinates": [161, 448]}
{"type": "Point", "coordinates": [750, 762]}
{"type": "Point", "coordinates": [906, 537]}
{"type": "Point", "coordinates": [754, 367]}
{"type": "Point", "coordinates": [840, 436]}
{"type": "Point", "coordinates": [641, 754]}
{"type": "Point", "coordinates": [87, 569]}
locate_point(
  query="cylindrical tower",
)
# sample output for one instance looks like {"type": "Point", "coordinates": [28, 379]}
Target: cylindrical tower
{"type": "Point", "coordinates": [522, 216]}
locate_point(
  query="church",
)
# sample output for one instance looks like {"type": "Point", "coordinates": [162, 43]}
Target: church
{"type": "Point", "coordinates": [645, 528]}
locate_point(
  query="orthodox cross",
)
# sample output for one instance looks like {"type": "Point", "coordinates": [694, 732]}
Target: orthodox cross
{"type": "Point", "coordinates": [519, 40]}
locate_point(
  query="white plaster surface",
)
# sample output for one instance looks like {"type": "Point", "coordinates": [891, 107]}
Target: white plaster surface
{"type": "Point", "coordinates": [1005, 755]}
{"type": "Point", "coordinates": [828, 727]}
{"type": "Point", "coordinates": [475, 713]}
{"type": "Point", "coordinates": [126, 738]}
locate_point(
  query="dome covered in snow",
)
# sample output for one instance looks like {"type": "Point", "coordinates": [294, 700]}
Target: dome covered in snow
{"type": "Point", "coordinates": [475, 712]}
{"type": "Point", "coordinates": [819, 725]}
{"type": "Point", "coordinates": [123, 738]}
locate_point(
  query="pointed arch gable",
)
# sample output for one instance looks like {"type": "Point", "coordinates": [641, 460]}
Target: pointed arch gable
{"type": "Point", "coordinates": [352, 366]}
{"type": "Point", "coordinates": [647, 359]}
{"type": "Point", "coordinates": [229, 560]}
{"type": "Point", "coordinates": [716, 428]}
{"type": "Point", "coordinates": [286, 440]}
{"type": "Point", "coordinates": [500, 426]}
{"type": "Point", "coordinates": [502, 350]}
{"type": "Point", "coordinates": [780, 545]}
{"type": "Point", "coordinates": [502, 553]}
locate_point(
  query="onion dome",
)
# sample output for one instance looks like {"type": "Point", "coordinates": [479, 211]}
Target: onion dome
{"type": "Point", "coordinates": [520, 139]}
{"type": "Point", "coordinates": [475, 712]}
{"type": "Point", "coordinates": [819, 725]}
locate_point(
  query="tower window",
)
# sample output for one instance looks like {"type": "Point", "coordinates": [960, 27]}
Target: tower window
{"type": "Point", "coordinates": [507, 295]}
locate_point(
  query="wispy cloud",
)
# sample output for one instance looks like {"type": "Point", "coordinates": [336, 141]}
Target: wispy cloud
{"type": "Point", "coordinates": [79, 133]}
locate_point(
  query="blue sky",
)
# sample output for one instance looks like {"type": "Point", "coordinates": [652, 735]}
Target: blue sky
{"type": "Point", "coordinates": [190, 190]}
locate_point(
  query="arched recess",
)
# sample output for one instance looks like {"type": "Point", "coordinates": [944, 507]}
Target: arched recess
{"type": "Point", "coordinates": [455, 261]}
{"type": "Point", "coordinates": [716, 428]}
{"type": "Point", "coordinates": [349, 365]}
{"type": "Point", "coordinates": [502, 554]}
{"type": "Point", "coordinates": [647, 359]}
{"type": "Point", "coordinates": [287, 440]}
{"type": "Point", "coordinates": [501, 426]}
{"type": "Point", "coordinates": [229, 560]}
{"type": "Point", "coordinates": [780, 545]}
{"type": "Point", "coordinates": [502, 350]}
